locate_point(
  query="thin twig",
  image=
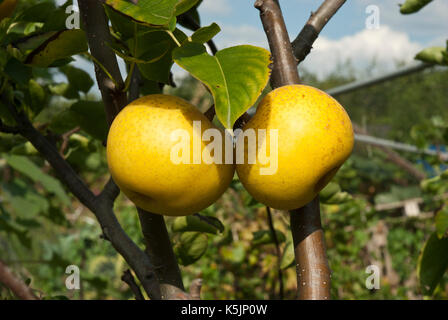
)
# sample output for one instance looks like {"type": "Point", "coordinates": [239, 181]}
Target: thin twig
{"type": "Point", "coordinates": [303, 43]}
{"type": "Point", "coordinates": [17, 286]}
{"type": "Point", "coordinates": [277, 251]}
{"type": "Point", "coordinates": [8, 129]}
{"type": "Point", "coordinates": [129, 279]}
{"type": "Point", "coordinates": [65, 139]}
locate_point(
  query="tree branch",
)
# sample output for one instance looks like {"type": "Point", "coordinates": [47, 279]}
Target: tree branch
{"type": "Point", "coordinates": [277, 251]}
{"type": "Point", "coordinates": [101, 205]}
{"type": "Point", "coordinates": [284, 70]}
{"type": "Point", "coordinates": [309, 246]}
{"type": "Point", "coordinates": [96, 26]}
{"type": "Point", "coordinates": [129, 279]}
{"type": "Point", "coordinates": [95, 23]}
{"type": "Point", "coordinates": [303, 43]}
{"type": "Point", "coordinates": [160, 252]}
{"type": "Point", "coordinates": [17, 286]}
{"type": "Point", "coordinates": [313, 272]}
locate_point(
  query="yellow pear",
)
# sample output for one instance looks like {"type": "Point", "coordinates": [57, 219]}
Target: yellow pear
{"type": "Point", "coordinates": [7, 8]}
{"type": "Point", "coordinates": [308, 137]}
{"type": "Point", "coordinates": [143, 151]}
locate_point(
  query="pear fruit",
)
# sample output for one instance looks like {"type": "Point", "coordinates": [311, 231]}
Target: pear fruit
{"type": "Point", "coordinates": [313, 139]}
{"type": "Point", "coordinates": [140, 148]}
{"type": "Point", "coordinates": [7, 8]}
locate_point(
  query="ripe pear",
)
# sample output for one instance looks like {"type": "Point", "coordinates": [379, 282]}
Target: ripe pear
{"type": "Point", "coordinates": [315, 137]}
{"type": "Point", "coordinates": [7, 8]}
{"type": "Point", "coordinates": [139, 154]}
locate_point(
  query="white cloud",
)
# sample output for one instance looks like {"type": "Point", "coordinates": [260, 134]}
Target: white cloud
{"type": "Point", "coordinates": [215, 7]}
{"type": "Point", "coordinates": [427, 24]}
{"type": "Point", "coordinates": [385, 46]}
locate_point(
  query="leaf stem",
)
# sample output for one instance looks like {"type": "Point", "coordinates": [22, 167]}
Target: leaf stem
{"type": "Point", "coordinates": [173, 37]}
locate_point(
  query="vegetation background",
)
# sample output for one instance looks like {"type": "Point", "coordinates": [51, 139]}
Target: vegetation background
{"type": "Point", "coordinates": [43, 228]}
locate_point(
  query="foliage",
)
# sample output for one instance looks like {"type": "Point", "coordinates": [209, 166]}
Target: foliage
{"type": "Point", "coordinates": [43, 228]}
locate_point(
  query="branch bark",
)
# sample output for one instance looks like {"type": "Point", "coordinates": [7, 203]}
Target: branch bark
{"type": "Point", "coordinates": [313, 272]}
{"type": "Point", "coordinates": [129, 279]}
{"type": "Point", "coordinates": [303, 43]}
{"type": "Point", "coordinates": [160, 252]}
{"type": "Point", "coordinates": [284, 70]}
{"type": "Point", "coordinates": [100, 205]}
{"type": "Point", "coordinates": [96, 24]}
{"type": "Point", "coordinates": [17, 286]}
{"type": "Point", "coordinates": [309, 246]}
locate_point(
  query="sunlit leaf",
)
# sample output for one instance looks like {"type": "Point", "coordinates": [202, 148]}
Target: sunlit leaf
{"type": "Point", "coordinates": [236, 76]}
{"type": "Point", "coordinates": [432, 263]}
{"type": "Point", "coordinates": [31, 170]}
{"type": "Point", "coordinates": [61, 45]}
{"type": "Point", "coordinates": [411, 6]}
{"type": "Point", "coordinates": [195, 223]}
{"type": "Point", "coordinates": [192, 246]}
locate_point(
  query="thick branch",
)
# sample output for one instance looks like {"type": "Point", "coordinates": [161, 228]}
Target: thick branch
{"type": "Point", "coordinates": [160, 252]}
{"type": "Point", "coordinates": [98, 35]}
{"type": "Point", "coordinates": [95, 23]}
{"type": "Point", "coordinates": [313, 272]}
{"type": "Point", "coordinates": [309, 246]}
{"type": "Point", "coordinates": [303, 43]}
{"type": "Point", "coordinates": [101, 206]}
{"type": "Point", "coordinates": [284, 71]}
{"type": "Point", "coordinates": [17, 286]}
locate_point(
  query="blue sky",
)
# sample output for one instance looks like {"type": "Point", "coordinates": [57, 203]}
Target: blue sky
{"type": "Point", "coordinates": [345, 37]}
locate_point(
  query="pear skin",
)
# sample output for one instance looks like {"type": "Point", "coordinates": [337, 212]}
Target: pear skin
{"type": "Point", "coordinates": [315, 137]}
{"type": "Point", "coordinates": [139, 155]}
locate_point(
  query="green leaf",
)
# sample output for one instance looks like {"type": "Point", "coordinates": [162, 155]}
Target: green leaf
{"type": "Point", "coordinates": [156, 44]}
{"type": "Point", "coordinates": [28, 168]}
{"type": "Point", "coordinates": [195, 223]}
{"type": "Point", "coordinates": [330, 189]}
{"type": "Point", "coordinates": [121, 24]}
{"type": "Point", "coordinates": [288, 256]}
{"type": "Point", "coordinates": [411, 6]}
{"type": "Point", "coordinates": [24, 199]}
{"type": "Point", "coordinates": [9, 226]}
{"type": "Point", "coordinates": [150, 12]}
{"type": "Point", "coordinates": [433, 55]}
{"type": "Point", "coordinates": [265, 237]}
{"type": "Point", "coordinates": [18, 72]}
{"type": "Point", "coordinates": [432, 263]}
{"type": "Point", "coordinates": [194, 20]}
{"type": "Point", "coordinates": [234, 253]}
{"type": "Point", "coordinates": [63, 121]}
{"type": "Point", "coordinates": [183, 6]}
{"type": "Point", "coordinates": [60, 46]}
{"type": "Point", "coordinates": [235, 76]}
{"type": "Point", "coordinates": [192, 246]}
{"type": "Point", "coordinates": [442, 222]}
{"type": "Point", "coordinates": [204, 34]}
{"type": "Point", "coordinates": [338, 198]}
{"type": "Point", "coordinates": [77, 78]}
{"type": "Point", "coordinates": [27, 44]}
{"type": "Point", "coordinates": [37, 96]}
{"type": "Point", "coordinates": [91, 117]}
